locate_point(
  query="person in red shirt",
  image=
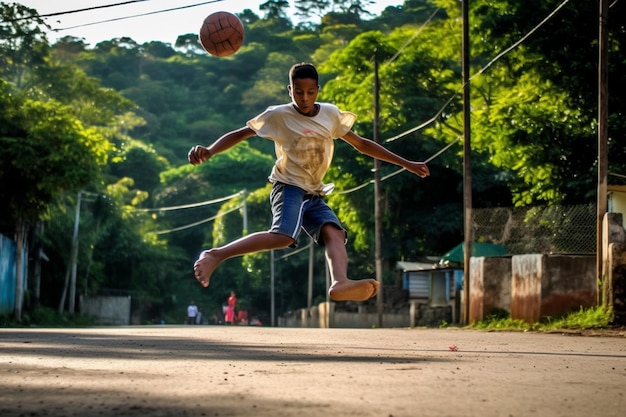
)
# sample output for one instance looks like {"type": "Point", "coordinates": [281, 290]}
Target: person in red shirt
{"type": "Point", "coordinates": [230, 310]}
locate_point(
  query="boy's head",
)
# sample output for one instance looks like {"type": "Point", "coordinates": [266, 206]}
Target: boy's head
{"type": "Point", "coordinates": [301, 71]}
{"type": "Point", "coordinates": [303, 87]}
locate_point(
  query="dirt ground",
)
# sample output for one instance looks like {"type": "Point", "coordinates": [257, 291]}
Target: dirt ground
{"type": "Point", "coordinates": [262, 371]}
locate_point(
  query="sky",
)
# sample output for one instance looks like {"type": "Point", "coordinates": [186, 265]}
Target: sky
{"type": "Point", "coordinates": [164, 27]}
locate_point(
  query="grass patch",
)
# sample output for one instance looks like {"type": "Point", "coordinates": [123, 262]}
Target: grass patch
{"type": "Point", "coordinates": [46, 317]}
{"type": "Point", "coordinates": [591, 318]}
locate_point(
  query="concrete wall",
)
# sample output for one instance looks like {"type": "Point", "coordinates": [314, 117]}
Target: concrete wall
{"type": "Point", "coordinates": [490, 286]}
{"type": "Point", "coordinates": [365, 320]}
{"type": "Point", "coordinates": [426, 315]}
{"type": "Point", "coordinates": [532, 286]}
{"type": "Point", "coordinates": [568, 283]}
{"type": "Point", "coordinates": [614, 266]}
{"type": "Point", "coordinates": [107, 310]}
{"type": "Point", "coordinates": [526, 273]}
{"type": "Point", "coordinates": [325, 315]}
{"type": "Point", "coordinates": [614, 286]}
{"type": "Point", "coordinates": [551, 285]}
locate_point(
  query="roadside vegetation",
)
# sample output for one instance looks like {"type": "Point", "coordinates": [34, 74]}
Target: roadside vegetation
{"type": "Point", "coordinates": [583, 319]}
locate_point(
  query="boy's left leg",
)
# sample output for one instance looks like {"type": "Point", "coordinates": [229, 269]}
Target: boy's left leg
{"type": "Point", "coordinates": [342, 288]}
{"type": "Point", "coordinates": [255, 242]}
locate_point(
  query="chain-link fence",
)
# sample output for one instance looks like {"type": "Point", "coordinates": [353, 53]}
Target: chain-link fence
{"type": "Point", "coordinates": [546, 230]}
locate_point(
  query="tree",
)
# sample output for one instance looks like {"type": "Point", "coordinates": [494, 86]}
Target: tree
{"type": "Point", "coordinates": [23, 44]}
{"type": "Point", "coordinates": [309, 8]}
{"type": "Point", "coordinates": [275, 9]}
{"type": "Point", "coordinates": [44, 151]}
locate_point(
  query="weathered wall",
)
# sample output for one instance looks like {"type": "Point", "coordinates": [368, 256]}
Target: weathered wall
{"type": "Point", "coordinates": [526, 287]}
{"type": "Point", "coordinates": [490, 286]}
{"type": "Point", "coordinates": [106, 309]}
{"type": "Point", "coordinates": [325, 315]}
{"type": "Point", "coordinates": [551, 285]}
{"type": "Point", "coordinates": [568, 283]}
{"type": "Point", "coordinates": [614, 285]}
{"type": "Point", "coordinates": [614, 266]}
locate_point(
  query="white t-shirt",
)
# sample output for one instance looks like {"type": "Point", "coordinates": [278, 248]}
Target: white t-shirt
{"type": "Point", "coordinates": [304, 145]}
{"type": "Point", "coordinates": [192, 310]}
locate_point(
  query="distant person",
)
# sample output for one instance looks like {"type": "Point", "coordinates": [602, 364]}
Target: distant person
{"type": "Point", "coordinates": [199, 317]}
{"type": "Point", "coordinates": [192, 312]}
{"type": "Point", "coordinates": [303, 133]}
{"type": "Point", "coordinates": [242, 317]}
{"type": "Point", "coordinates": [230, 308]}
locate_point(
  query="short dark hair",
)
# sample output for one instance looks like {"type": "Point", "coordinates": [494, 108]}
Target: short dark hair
{"type": "Point", "coordinates": [303, 70]}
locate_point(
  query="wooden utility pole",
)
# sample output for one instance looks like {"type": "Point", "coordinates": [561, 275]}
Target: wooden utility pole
{"type": "Point", "coordinates": [74, 256]}
{"type": "Point", "coordinates": [272, 290]}
{"type": "Point", "coordinates": [467, 165]}
{"type": "Point", "coordinates": [603, 159]}
{"type": "Point", "coordinates": [309, 297]}
{"type": "Point", "coordinates": [377, 202]}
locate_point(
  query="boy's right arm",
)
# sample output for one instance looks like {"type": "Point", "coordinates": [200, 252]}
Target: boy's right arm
{"type": "Point", "coordinates": [199, 154]}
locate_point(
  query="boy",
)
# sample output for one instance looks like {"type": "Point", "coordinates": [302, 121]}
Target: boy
{"type": "Point", "coordinates": [303, 132]}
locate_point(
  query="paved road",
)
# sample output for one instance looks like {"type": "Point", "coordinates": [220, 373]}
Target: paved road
{"type": "Point", "coordinates": [257, 371]}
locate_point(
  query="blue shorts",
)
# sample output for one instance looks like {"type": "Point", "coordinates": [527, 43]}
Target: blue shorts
{"type": "Point", "coordinates": [293, 210]}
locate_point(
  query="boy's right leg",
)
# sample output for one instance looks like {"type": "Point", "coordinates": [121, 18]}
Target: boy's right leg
{"type": "Point", "coordinates": [343, 288]}
{"type": "Point", "coordinates": [255, 242]}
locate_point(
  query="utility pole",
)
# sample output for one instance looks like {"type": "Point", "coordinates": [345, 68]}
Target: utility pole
{"type": "Point", "coordinates": [272, 289]}
{"type": "Point", "coordinates": [377, 198]}
{"type": "Point", "coordinates": [467, 165]}
{"type": "Point", "coordinates": [74, 260]}
{"type": "Point", "coordinates": [603, 159]}
{"type": "Point", "coordinates": [244, 196]}
{"type": "Point", "coordinates": [309, 298]}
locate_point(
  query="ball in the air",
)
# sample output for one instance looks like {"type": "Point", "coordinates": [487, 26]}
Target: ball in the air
{"type": "Point", "coordinates": [221, 34]}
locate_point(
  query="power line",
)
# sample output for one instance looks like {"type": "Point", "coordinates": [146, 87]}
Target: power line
{"type": "Point", "coordinates": [480, 72]}
{"type": "Point", "coordinates": [188, 226]}
{"type": "Point", "coordinates": [115, 19]}
{"type": "Point", "coordinates": [106, 6]}
{"type": "Point", "coordinates": [186, 206]}
{"type": "Point", "coordinates": [393, 174]}
{"type": "Point", "coordinates": [412, 38]}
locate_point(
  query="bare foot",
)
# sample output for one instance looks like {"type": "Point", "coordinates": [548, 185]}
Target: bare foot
{"type": "Point", "coordinates": [204, 267]}
{"type": "Point", "coordinates": [351, 290]}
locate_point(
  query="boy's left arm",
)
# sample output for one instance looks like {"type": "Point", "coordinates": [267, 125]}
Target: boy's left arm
{"type": "Point", "coordinates": [377, 151]}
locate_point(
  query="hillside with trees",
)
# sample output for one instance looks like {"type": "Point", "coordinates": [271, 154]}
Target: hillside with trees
{"type": "Point", "coordinates": [109, 126]}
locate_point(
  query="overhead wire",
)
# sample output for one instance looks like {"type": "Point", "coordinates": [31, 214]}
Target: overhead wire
{"type": "Point", "coordinates": [412, 38]}
{"type": "Point", "coordinates": [480, 72]}
{"type": "Point", "coordinates": [189, 226]}
{"type": "Point", "coordinates": [105, 6]}
{"type": "Point", "coordinates": [86, 9]}
{"type": "Point", "coordinates": [386, 177]}
{"type": "Point", "coordinates": [115, 19]}
{"type": "Point", "coordinates": [193, 205]}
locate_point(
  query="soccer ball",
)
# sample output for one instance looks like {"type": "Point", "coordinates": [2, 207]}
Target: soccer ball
{"type": "Point", "coordinates": [221, 34]}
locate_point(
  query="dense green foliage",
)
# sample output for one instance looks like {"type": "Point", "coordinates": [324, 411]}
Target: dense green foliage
{"type": "Point", "coordinates": [115, 120]}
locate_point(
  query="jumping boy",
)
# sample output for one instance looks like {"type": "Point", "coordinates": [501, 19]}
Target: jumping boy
{"type": "Point", "coordinates": [303, 132]}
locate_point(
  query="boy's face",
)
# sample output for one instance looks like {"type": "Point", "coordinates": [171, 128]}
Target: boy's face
{"type": "Point", "coordinates": [303, 92]}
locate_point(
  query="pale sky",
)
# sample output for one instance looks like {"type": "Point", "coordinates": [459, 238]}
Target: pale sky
{"type": "Point", "coordinates": [165, 26]}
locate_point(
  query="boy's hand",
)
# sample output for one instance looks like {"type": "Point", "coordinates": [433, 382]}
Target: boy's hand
{"type": "Point", "coordinates": [198, 154]}
{"type": "Point", "coordinates": [419, 168]}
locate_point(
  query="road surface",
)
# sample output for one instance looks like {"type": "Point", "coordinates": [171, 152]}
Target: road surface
{"type": "Point", "coordinates": [262, 371]}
